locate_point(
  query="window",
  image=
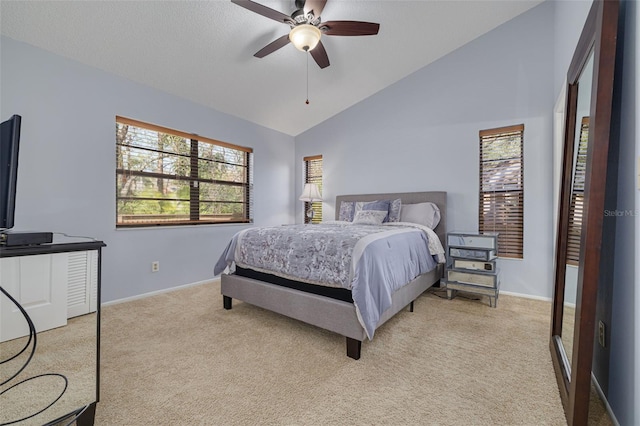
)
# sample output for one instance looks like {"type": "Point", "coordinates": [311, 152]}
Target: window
{"type": "Point", "coordinates": [313, 174]}
{"type": "Point", "coordinates": [169, 177]}
{"type": "Point", "coordinates": [502, 188]}
{"type": "Point", "coordinates": [577, 196]}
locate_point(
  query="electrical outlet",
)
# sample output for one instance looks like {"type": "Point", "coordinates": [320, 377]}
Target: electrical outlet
{"type": "Point", "coordinates": [602, 334]}
{"type": "Point", "coordinates": [155, 266]}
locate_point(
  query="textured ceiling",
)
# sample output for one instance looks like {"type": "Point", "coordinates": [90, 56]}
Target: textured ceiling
{"type": "Point", "coordinates": [203, 50]}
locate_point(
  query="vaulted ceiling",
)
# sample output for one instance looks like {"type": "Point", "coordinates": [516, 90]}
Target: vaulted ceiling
{"type": "Point", "coordinates": [203, 50]}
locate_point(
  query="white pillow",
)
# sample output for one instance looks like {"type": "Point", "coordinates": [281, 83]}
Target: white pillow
{"type": "Point", "coordinates": [369, 217]}
{"type": "Point", "coordinates": [427, 214]}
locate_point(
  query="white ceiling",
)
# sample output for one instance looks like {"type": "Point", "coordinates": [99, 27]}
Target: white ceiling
{"type": "Point", "coordinates": [203, 50]}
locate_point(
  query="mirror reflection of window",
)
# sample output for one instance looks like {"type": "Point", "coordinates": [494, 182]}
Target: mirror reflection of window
{"type": "Point", "coordinates": [577, 196]}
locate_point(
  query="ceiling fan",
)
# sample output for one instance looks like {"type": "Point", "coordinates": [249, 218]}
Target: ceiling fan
{"type": "Point", "coordinates": [307, 28]}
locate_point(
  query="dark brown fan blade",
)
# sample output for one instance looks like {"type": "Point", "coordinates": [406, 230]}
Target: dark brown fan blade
{"type": "Point", "coordinates": [263, 10]}
{"type": "Point", "coordinates": [349, 28]}
{"type": "Point", "coordinates": [314, 5]}
{"type": "Point", "coordinates": [273, 46]}
{"type": "Point", "coordinates": [320, 55]}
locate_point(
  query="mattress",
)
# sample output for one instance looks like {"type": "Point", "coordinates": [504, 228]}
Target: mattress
{"type": "Point", "coordinates": [331, 292]}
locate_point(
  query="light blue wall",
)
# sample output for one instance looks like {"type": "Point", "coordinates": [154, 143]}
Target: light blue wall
{"type": "Point", "coordinates": [624, 366]}
{"type": "Point", "coordinates": [422, 134]}
{"type": "Point", "coordinates": [570, 16]}
{"type": "Point", "coordinates": [66, 177]}
{"type": "Point", "coordinates": [633, 126]}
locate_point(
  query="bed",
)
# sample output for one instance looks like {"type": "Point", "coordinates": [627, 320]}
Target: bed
{"type": "Point", "coordinates": [326, 307]}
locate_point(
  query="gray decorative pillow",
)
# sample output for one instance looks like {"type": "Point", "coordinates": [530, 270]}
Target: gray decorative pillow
{"type": "Point", "coordinates": [394, 210]}
{"type": "Point", "coordinates": [369, 217]}
{"type": "Point", "coordinates": [375, 205]}
{"type": "Point", "coordinates": [347, 211]}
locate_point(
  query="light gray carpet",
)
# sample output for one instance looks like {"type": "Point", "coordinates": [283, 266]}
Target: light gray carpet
{"type": "Point", "coordinates": [69, 351]}
{"type": "Point", "coordinates": [179, 358]}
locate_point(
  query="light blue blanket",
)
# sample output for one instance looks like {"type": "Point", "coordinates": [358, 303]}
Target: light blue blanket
{"type": "Point", "coordinates": [372, 261]}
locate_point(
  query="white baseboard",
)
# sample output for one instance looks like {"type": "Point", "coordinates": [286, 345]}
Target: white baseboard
{"type": "Point", "coordinates": [168, 290]}
{"type": "Point", "coordinates": [526, 296]}
{"type": "Point", "coordinates": [604, 400]}
{"type": "Point", "coordinates": [154, 293]}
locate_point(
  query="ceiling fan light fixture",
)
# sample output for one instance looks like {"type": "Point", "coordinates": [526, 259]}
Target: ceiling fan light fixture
{"type": "Point", "coordinates": [305, 37]}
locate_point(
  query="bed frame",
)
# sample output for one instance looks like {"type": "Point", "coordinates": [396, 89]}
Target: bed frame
{"type": "Point", "coordinates": [331, 314]}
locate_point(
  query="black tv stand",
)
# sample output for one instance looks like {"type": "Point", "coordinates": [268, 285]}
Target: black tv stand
{"type": "Point", "coordinates": [14, 239]}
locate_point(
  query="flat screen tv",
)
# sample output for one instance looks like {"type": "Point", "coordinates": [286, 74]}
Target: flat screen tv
{"type": "Point", "coordinates": [9, 144]}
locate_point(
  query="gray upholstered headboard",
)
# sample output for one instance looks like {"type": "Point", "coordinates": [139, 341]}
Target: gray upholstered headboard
{"type": "Point", "coordinates": [439, 198]}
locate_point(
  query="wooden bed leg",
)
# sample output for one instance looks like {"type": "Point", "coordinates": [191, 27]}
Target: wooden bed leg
{"type": "Point", "coordinates": [226, 302]}
{"type": "Point", "coordinates": [411, 307]}
{"type": "Point", "coordinates": [353, 348]}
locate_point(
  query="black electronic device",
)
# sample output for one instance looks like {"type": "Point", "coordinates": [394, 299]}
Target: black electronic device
{"type": "Point", "coordinates": [9, 144]}
{"type": "Point", "coordinates": [9, 149]}
{"type": "Point", "coordinates": [13, 239]}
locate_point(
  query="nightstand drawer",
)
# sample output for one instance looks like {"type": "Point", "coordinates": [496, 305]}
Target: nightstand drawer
{"type": "Point", "coordinates": [488, 291]}
{"type": "Point", "coordinates": [474, 265]}
{"type": "Point", "coordinates": [472, 241]}
{"type": "Point", "coordinates": [472, 254]}
{"type": "Point", "coordinates": [473, 278]}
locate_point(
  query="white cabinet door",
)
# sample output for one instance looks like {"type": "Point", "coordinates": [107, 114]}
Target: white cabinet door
{"type": "Point", "coordinates": [39, 284]}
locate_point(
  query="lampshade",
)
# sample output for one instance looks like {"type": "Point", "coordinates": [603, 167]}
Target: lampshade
{"type": "Point", "coordinates": [304, 37]}
{"type": "Point", "coordinates": [310, 193]}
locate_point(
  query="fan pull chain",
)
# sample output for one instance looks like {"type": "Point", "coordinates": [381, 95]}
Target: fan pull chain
{"type": "Point", "coordinates": [307, 102]}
